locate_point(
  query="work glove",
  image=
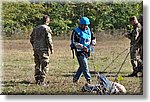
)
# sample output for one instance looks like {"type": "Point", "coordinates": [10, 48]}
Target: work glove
{"type": "Point", "coordinates": [94, 42]}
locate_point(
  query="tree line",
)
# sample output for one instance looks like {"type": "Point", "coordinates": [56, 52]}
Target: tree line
{"type": "Point", "coordinates": [19, 18]}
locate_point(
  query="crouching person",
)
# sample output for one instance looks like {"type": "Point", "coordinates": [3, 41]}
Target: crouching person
{"type": "Point", "coordinates": [81, 40]}
{"type": "Point", "coordinates": [41, 41]}
{"type": "Point", "coordinates": [104, 87]}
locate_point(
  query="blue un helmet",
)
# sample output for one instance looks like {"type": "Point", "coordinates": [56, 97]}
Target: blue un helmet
{"type": "Point", "coordinates": [84, 21]}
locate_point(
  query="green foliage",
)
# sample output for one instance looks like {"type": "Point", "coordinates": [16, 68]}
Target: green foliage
{"type": "Point", "coordinates": [120, 78]}
{"type": "Point", "coordinates": [18, 17]}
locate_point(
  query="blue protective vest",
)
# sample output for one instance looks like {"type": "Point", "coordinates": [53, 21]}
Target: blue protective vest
{"type": "Point", "coordinates": [85, 37]}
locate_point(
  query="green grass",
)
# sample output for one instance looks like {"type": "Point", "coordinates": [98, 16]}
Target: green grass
{"type": "Point", "coordinates": [18, 68]}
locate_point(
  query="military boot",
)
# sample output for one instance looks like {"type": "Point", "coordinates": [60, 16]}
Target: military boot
{"type": "Point", "coordinates": [134, 73]}
{"type": "Point", "coordinates": [88, 81]}
{"type": "Point", "coordinates": [75, 80]}
{"type": "Point", "coordinates": [37, 79]}
{"type": "Point", "coordinates": [42, 82]}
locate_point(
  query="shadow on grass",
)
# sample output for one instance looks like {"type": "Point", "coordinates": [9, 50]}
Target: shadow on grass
{"type": "Point", "coordinates": [93, 73]}
{"type": "Point", "coordinates": [15, 83]}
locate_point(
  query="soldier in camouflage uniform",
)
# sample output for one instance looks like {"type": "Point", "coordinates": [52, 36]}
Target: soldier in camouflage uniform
{"type": "Point", "coordinates": [140, 47]}
{"type": "Point", "coordinates": [41, 41]}
{"type": "Point", "coordinates": [134, 45]}
{"type": "Point", "coordinates": [141, 38]}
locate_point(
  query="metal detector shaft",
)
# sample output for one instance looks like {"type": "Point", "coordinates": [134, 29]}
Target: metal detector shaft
{"type": "Point", "coordinates": [115, 59]}
{"type": "Point", "coordinates": [121, 66]}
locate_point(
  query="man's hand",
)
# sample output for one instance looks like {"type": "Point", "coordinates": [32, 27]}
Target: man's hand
{"type": "Point", "coordinates": [52, 51]}
{"type": "Point", "coordinates": [126, 35]}
{"type": "Point", "coordinates": [94, 42]}
{"type": "Point", "coordinates": [85, 49]}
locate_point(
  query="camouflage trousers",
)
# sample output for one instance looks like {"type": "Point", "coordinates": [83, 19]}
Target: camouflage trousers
{"type": "Point", "coordinates": [141, 52]}
{"type": "Point", "coordinates": [41, 59]}
{"type": "Point", "coordinates": [135, 57]}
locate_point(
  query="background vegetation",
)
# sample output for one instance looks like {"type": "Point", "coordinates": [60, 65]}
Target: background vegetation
{"type": "Point", "coordinates": [19, 18]}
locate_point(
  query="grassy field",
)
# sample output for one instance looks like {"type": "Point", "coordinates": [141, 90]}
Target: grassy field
{"type": "Point", "coordinates": [18, 68]}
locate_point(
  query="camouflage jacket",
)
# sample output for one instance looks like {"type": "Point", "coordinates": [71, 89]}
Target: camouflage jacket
{"type": "Point", "coordinates": [41, 38]}
{"type": "Point", "coordinates": [135, 34]}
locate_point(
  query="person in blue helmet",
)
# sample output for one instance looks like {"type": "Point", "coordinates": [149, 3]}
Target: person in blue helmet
{"type": "Point", "coordinates": [81, 39]}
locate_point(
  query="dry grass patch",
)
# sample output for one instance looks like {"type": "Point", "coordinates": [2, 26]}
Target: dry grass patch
{"type": "Point", "coordinates": [18, 68]}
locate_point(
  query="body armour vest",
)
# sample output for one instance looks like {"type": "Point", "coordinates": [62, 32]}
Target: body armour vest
{"type": "Point", "coordinates": [85, 37]}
